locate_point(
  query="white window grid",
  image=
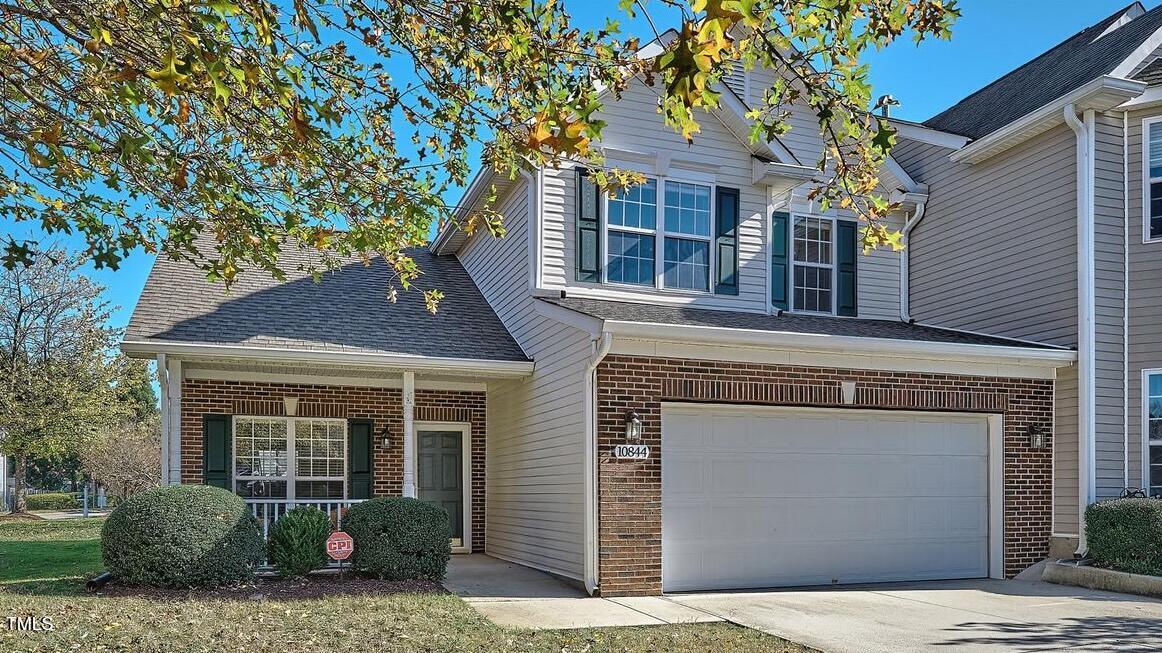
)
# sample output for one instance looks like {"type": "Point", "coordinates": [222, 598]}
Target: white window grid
{"type": "Point", "coordinates": [1151, 438]}
{"type": "Point", "coordinates": [1149, 125]}
{"type": "Point", "coordinates": [283, 465]}
{"type": "Point", "coordinates": [697, 231]}
{"type": "Point", "coordinates": [814, 253]}
{"type": "Point", "coordinates": [660, 233]}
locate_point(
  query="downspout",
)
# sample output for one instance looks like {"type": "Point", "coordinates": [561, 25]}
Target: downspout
{"type": "Point", "coordinates": [905, 303]}
{"type": "Point", "coordinates": [163, 385]}
{"type": "Point", "coordinates": [1087, 398]}
{"type": "Point", "coordinates": [601, 348]}
{"type": "Point", "coordinates": [1126, 297]}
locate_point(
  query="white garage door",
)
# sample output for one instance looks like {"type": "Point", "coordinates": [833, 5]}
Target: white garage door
{"type": "Point", "coordinates": [755, 497]}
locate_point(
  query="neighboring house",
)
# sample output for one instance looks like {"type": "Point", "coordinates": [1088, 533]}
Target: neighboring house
{"type": "Point", "coordinates": [812, 415]}
{"type": "Point", "coordinates": [1046, 224]}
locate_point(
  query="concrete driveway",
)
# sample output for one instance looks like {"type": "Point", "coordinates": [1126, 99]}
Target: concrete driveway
{"type": "Point", "coordinates": [970, 616]}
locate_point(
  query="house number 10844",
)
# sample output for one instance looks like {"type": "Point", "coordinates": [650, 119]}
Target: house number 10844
{"type": "Point", "coordinates": [631, 451]}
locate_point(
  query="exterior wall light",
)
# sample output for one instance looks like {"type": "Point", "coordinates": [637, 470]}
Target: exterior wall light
{"type": "Point", "coordinates": [384, 438]}
{"type": "Point", "coordinates": [1036, 436]}
{"type": "Point", "coordinates": [633, 426]}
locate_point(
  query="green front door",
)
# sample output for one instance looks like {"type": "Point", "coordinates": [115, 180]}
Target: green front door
{"type": "Point", "coordinates": [441, 476]}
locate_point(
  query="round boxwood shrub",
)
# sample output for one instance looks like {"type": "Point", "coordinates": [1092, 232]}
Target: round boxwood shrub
{"type": "Point", "coordinates": [181, 536]}
{"type": "Point", "coordinates": [1126, 534]}
{"type": "Point", "coordinates": [399, 538]}
{"type": "Point", "coordinates": [297, 543]}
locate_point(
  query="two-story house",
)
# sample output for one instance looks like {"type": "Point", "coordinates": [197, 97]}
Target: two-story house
{"type": "Point", "coordinates": [703, 383]}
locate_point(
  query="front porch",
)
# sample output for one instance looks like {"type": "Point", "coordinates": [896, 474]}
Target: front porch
{"type": "Point", "coordinates": [283, 435]}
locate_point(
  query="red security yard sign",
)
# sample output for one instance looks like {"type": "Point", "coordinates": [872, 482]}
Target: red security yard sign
{"type": "Point", "coordinates": [340, 546]}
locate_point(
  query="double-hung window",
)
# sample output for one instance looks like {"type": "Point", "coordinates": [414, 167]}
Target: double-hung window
{"type": "Point", "coordinates": [680, 227]}
{"type": "Point", "coordinates": [289, 458]}
{"type": "Point", "coordinates": [1152, 428]}
{"type": "Point", "coordinates": [632, 237]}
{"type": "Point", "coordinates": [1152, 220]}
{"type": "Point", "coordinates": [813, 264]}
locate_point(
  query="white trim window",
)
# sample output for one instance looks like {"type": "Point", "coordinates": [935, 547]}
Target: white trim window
{"type": "Point", "coordinates": [1152, 429]}
{"type": "Point", "coordinates": [813, 264]}
{"type": "Point", "coordinates": [1152, 179]}
{"type": "Point", "coordinates": [632, 238]}
{"type": "Point", "coordinates": [664, 245]}
{"type": "Point", "coordinates": [686, 224]}
{"type": "Point", "coordinates": [290, 458]}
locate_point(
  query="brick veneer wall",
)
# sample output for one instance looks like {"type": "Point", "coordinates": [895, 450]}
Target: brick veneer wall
{"type": "Point", "coordinates": [384, 406]}
{"type": "Point", "coordinates": [630, 492]}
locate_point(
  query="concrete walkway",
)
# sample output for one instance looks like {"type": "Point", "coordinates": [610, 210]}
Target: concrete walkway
{"type": "Point", "coordinates": [970, 616]}
{"type": "Point", "coordinates": [517, 596]}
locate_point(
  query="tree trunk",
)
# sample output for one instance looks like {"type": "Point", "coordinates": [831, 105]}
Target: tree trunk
{"type": "Point", "coordinates": [19, 505]}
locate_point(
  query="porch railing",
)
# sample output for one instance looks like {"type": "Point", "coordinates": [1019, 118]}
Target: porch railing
{"type": "Point", "coordinates": [268, 511]}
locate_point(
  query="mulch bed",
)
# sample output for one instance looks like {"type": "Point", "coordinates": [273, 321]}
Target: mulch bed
{"type": "Point", "coordinates": [276, 589]}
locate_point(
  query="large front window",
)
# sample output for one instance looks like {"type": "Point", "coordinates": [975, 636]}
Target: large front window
{"type": "Point", "coordinates": [1152, 389]}
{"type": "Point", "coordinates": [1152, 220]}
{"type": "Point", "coordinates": [679, 228]}
{"type": "Point", "coordinates": [289, 458]}
{"type": "Point", "coordinates": [814, 264]}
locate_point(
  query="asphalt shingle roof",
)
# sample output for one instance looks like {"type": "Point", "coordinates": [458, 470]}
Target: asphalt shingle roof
{"type": "Point", "coordinates": [785, 323]}
{"type": "Point", "coordinates": [1068, 65]}
{"type": "Point", "coordinates": [348, 311]}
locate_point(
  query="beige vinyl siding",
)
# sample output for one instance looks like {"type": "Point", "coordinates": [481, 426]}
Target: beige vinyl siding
{"type": "Point", "coordinates": [1109, 293]}
{"type": "Point", "coordinates": [1145, 321]}
{"type": "Point", "coordinates": [1066, 495]}
{"type": "Point", "coordinates": [535, 444]}
{"type": "Point", "coordinates": [996, 251]}
{"type": "Point", "coordinates": [634, 126]}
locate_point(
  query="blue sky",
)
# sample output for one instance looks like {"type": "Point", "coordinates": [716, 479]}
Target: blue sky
{"type": "Point", "coordinates": [992, 38]}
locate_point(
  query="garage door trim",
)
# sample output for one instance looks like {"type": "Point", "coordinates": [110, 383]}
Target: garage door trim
{"type": "Point", "coordinates": [995, 447]}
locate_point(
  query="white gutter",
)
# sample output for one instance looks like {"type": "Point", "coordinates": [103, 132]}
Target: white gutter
{"type": "Point", "coordinates": [1102, 94]}
{"type": "Point", "coordinates": [905, 257]}
{"type": "Point", "coordinates": [1054, 357]}
{"type": "Point", "coordinates": [471, 194]}
{"type": "Point", "coordinates": [480, 367]}
{"type": "Point", "coordinates": [1087, 396]}
{"type": "Point", "coordinates": [601, 349]}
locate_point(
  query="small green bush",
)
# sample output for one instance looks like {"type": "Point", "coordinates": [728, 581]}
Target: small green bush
{"type": "Point", "coordinates": [399, 538]}
{"type": "Point", "coordinates": [1126, 534]}
{"type": "Point", "coordinates": [52, 501]}
{"type": "Point", "coordinates": [297, 543]}
{"type": "Point", "coordinates": [182, 536]}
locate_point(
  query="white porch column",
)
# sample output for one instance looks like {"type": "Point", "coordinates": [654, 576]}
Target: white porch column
{"type": "Point", "coordinates": [163, 385]}
{"type": "Point", "coordinates": [174, 416]}
{"type": "Point", "coordinates": [409, 445]}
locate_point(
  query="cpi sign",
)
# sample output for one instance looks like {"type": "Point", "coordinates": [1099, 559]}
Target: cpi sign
{"type": "Point", "coordinates": [340, 546]}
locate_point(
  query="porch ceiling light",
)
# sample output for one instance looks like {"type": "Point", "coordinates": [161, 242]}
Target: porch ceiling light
{"type": "Point", "coordinates": [633, 426]}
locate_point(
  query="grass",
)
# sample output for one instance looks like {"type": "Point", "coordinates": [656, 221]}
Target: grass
{"type": "Point", "coordinates": [43, 566]}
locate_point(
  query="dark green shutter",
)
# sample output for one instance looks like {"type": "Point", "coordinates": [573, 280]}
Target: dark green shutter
{"type": "Point", "coordinates": [780, 264]}
{"type": "Point", "coordinates": [846, 246]}
{"type": "Point", "coordinates": [726, 240]}
{"type": "Point", "coordinates": [216, 451]}
{"type": "Point", "coordinates": [588, 201]}
{"type": "Point", "coordinates": [360, 448]}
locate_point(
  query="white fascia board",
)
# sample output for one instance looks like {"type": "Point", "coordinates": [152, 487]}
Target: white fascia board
{"type": "Point", "coordinates": [1101, 94]}
{"type": "Point", "coordinates": [731, 111]}
{"type": "Point", "coordinates": [924, 134]}
{"type": "Point", "coordinates": [832, 344]}
{"type": "Point", "coordinates": [588, 324]}
{"type": "Point", "coordinates": [1138, 56]}
{"type": "Point", "coordinates": [1150, 97]}
{"type": "Point", "coordinates": [780, 177]}
{"type": "Point", "coordinates": [897, 171]}
{"type": "Point", "coordinates": [480, 181]}
{"type": "Point", "coordinates": [201, 351]}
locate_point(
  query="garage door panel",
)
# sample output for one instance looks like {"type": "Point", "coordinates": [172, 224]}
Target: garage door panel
{"type": "Point", "coordinates": [806, 497]}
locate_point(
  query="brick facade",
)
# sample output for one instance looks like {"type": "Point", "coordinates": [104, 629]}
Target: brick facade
{"type": "Point", "coordinates": [630, 492]}
{"type": "Point", "coordinates": [384, 406]}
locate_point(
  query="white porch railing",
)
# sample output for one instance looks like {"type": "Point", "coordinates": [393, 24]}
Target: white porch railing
{"type": "Point", "coordinates": [268, 511]}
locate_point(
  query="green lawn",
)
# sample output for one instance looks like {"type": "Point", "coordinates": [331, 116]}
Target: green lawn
{"type": "Point", "coordinates": [43, 566]}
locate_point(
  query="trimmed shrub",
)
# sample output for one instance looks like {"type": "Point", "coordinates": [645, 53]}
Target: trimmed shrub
{"type": "Point", "coordinates": [1126, 534]}
{"type": "Point", "coordinates": [52, 501]}
{"type": "Point", "coordinates": [297, 543]}
{"type": "Point", "coordinates": [182, 536]}
{"type": "Point", "coordinates": [399, 538]}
